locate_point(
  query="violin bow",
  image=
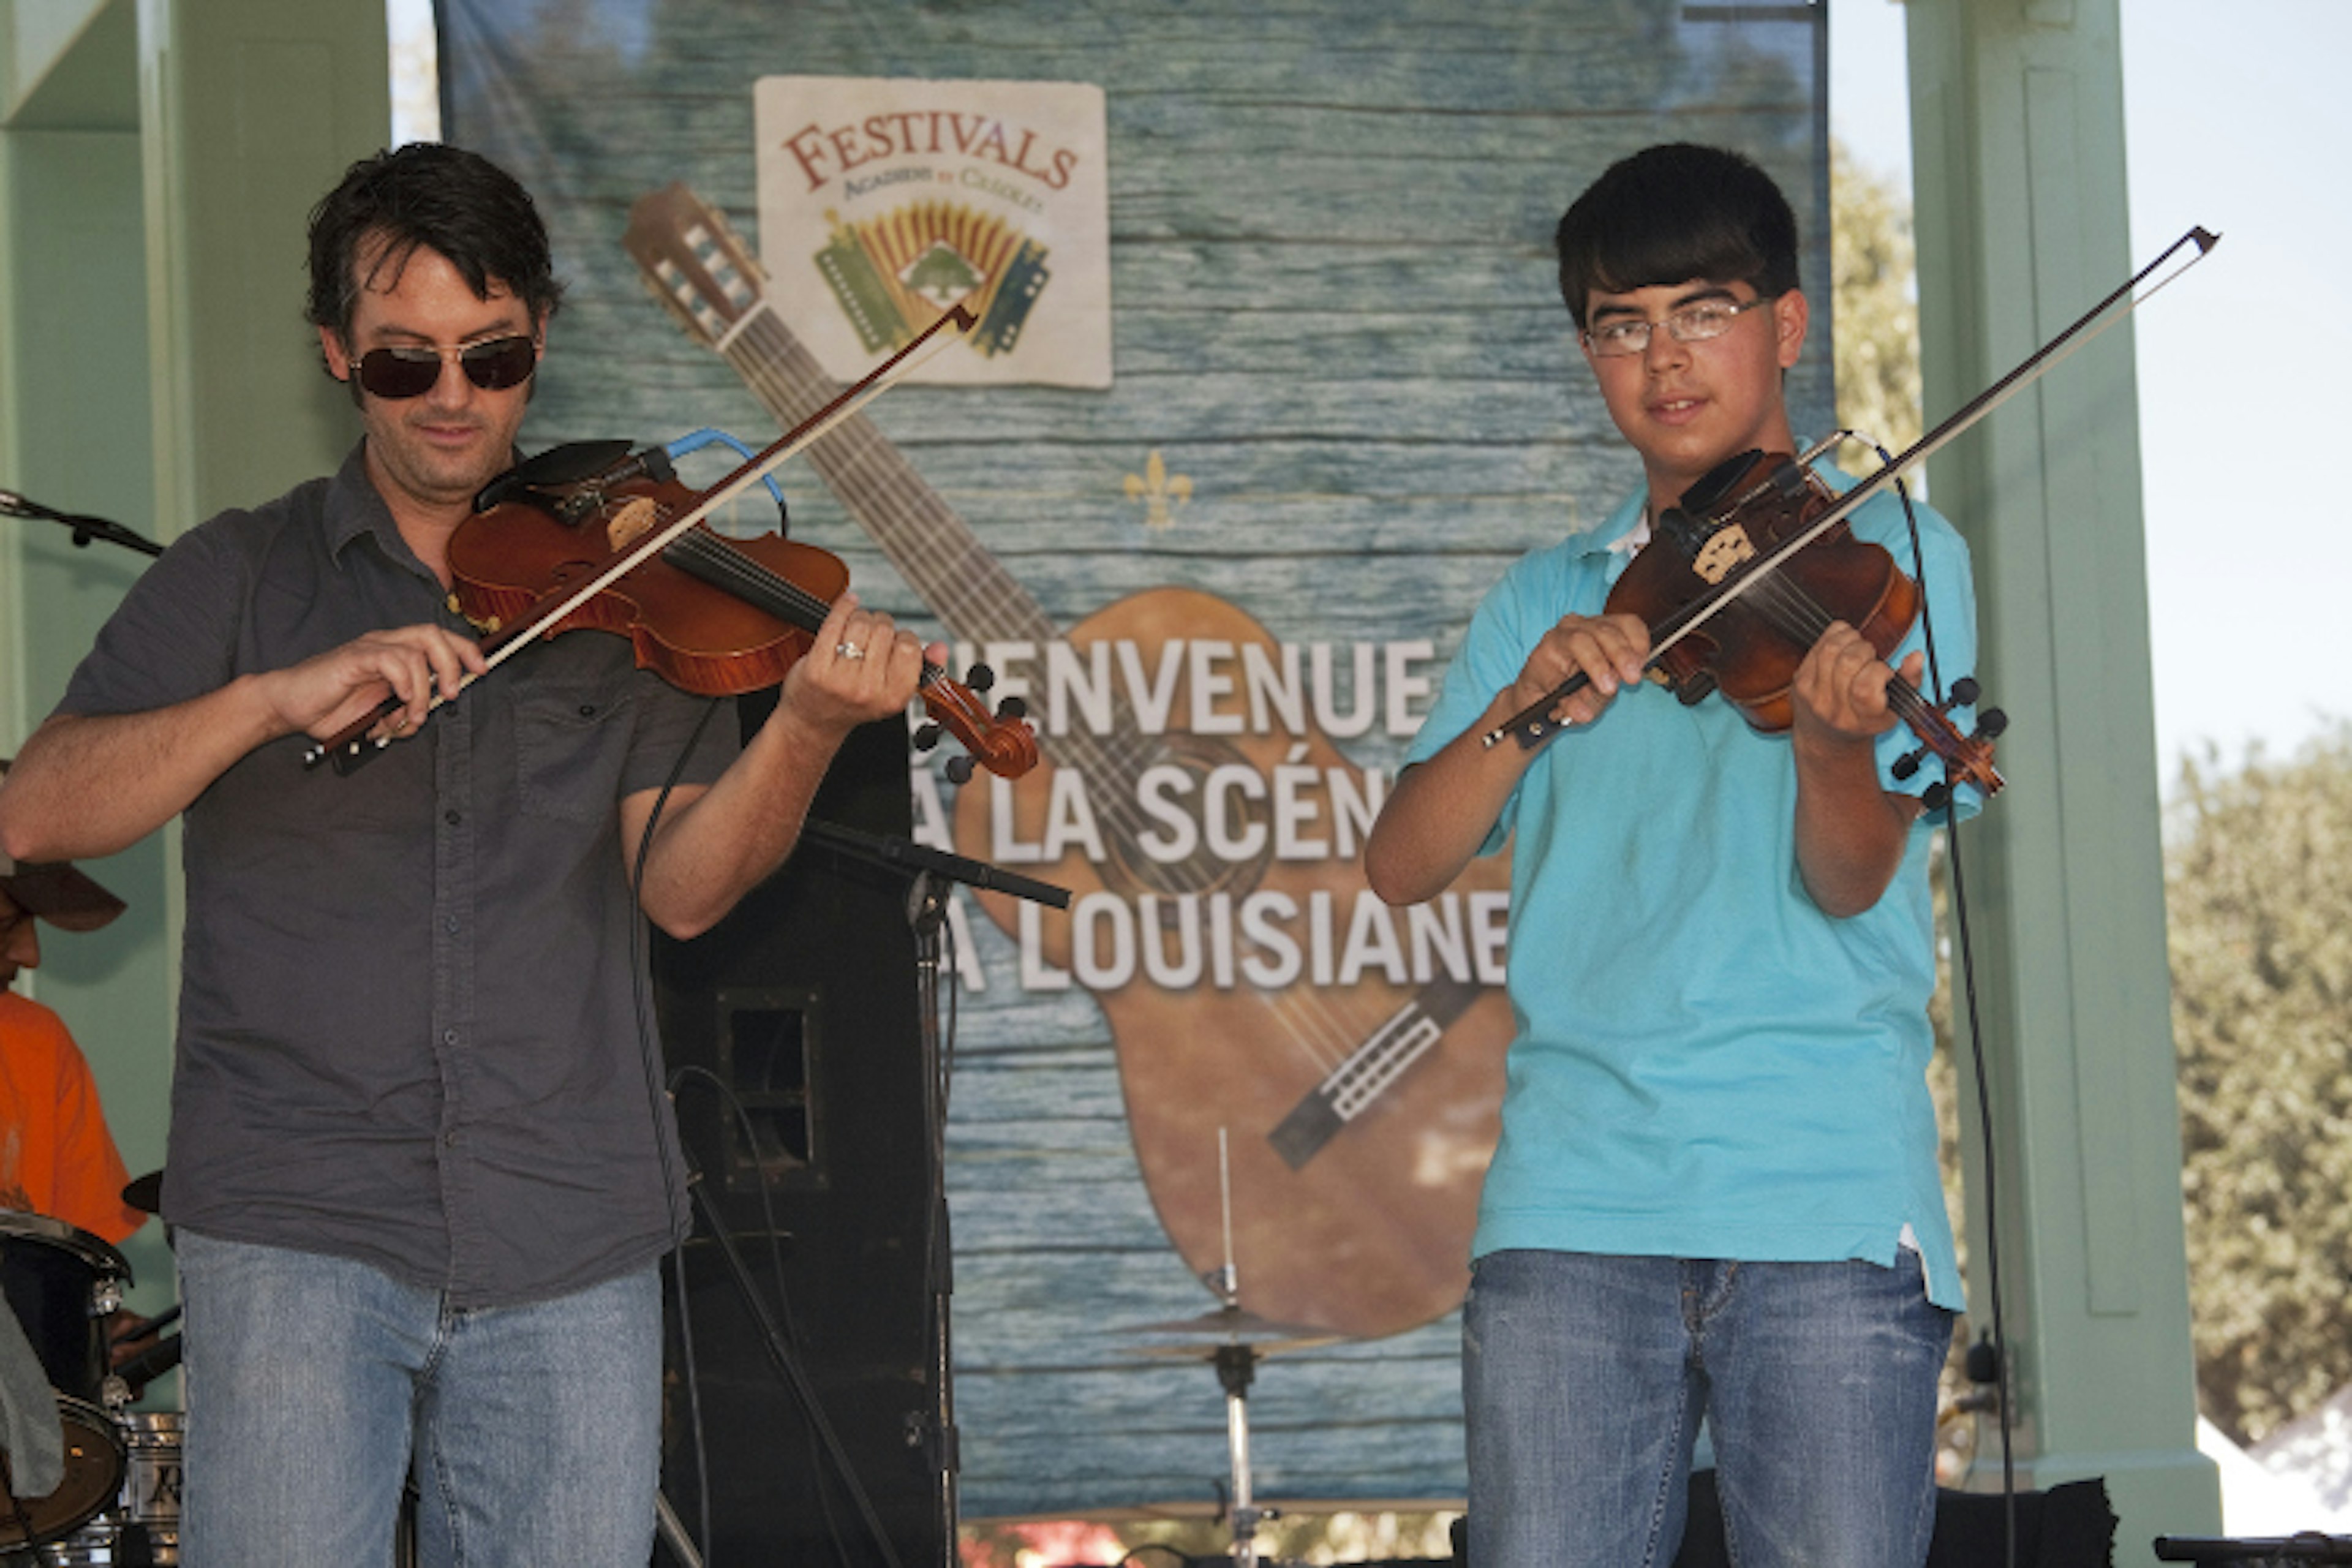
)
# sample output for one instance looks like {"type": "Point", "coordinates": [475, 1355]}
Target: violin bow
{"type": "Point", "coordinates": [1532, 724]}
{"type": "Point", "coordinates": [350, 746]}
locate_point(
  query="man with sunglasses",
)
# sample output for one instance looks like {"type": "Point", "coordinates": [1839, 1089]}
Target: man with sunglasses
{"type": "Point", "coordinates": [420, 1167]}
{"type": "Point", "coordinates": [1715, 1196]}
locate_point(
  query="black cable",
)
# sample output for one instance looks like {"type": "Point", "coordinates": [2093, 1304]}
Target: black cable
{"type": "Point", "coordinates": [649, 1056]}
{"type": "Point", "coordinates": [825, 1441]}
{"type": "Point", "coordinates": [1967, 974]}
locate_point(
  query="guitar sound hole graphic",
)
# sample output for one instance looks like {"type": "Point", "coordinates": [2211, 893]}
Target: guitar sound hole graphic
{"type": "Point", "coordinates": [1140, 861]}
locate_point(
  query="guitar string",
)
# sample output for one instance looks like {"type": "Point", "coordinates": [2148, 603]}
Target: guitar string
{"type": "Point", "coordinates": [1323, 1036]}
{"type": "Point", "coordinates": [1015, 597]}
{"type": "Point", "coordinates": [1349, 1076]}
{"type": "Point", "coordinates": [1300, 1025]}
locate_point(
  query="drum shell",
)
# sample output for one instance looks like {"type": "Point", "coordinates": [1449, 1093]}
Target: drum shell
{"type": "Point", "coordinates": [62, 1283]}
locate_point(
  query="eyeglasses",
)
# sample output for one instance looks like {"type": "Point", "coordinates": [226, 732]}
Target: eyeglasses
{"type": "Point", "coordinates": [1691, 324]}
{"type": "Point", "coordinates": [412, 371]}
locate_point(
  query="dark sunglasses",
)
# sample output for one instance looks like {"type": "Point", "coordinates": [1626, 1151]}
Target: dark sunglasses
{"type": "Point", "coordinates": [405, 372]}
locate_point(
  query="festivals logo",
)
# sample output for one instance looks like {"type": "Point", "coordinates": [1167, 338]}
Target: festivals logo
{"type": "Point", "coordinates": [884, 201]}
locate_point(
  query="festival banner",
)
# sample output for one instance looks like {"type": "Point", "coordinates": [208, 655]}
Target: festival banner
{"type": "Point", "coordinates": [1255, 431]}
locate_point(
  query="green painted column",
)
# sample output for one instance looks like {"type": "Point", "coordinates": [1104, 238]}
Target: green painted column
{"type": "Point", "coordinates": [2018, 134]}
{"type": "Point", "coordinates": [158, 159]}
{"type": "Point", "coordinates": [249, 111]}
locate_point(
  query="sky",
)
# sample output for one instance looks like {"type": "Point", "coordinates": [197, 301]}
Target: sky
{"type": "Point", "coordinates": [2234, 128]}
{"type": "Point", "coordinates": [2241, 129]}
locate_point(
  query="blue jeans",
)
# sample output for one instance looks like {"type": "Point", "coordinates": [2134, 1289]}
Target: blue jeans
{"type": "Point", "coordinates": [535, 1430]}
{"type": "Point", "coordinates": [1584, 1379]}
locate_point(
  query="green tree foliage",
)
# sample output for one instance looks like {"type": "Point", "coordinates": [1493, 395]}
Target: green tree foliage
{"type": "Point", "coordinates": [1873, 300]}
{"type": "Point", "coordinates": [2258, 887]}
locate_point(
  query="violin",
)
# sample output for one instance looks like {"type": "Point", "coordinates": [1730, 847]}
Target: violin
{"type": "Point", "coordinates": [1749, 646]}
{"type": "Point", "coordinates": [711, 615]}
{"type": "Point", "coordinates": [563, 538]}
{"type": "Point", "coordinates": [1743, 553]}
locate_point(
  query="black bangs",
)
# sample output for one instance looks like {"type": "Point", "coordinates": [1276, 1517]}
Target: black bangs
{"type": "Point", "coordinates": [1672, 215]}
{"type": "Point", "coordinates": [445, 199]}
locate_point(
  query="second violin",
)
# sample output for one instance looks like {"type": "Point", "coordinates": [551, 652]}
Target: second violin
{"type": "Point", "coordinates": [1740, 583]}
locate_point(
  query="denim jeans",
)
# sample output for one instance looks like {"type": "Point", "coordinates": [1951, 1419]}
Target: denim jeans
{"type": "Point", "coordinates": [535, 1431]}
{"type": "Point", "coordinates": [1584, 1379]}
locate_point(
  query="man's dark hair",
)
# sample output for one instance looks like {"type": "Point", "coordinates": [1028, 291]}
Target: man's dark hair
{"type": "Point", "coordinates": [1672, 214]}
{"type": "Point", "coordinates": [445, 198]}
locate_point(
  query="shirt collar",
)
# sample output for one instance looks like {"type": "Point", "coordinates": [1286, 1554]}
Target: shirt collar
{"type": "Point", "coordinates": [1624, 531]}
{"type": "Point", "coordinates": [354, 509]}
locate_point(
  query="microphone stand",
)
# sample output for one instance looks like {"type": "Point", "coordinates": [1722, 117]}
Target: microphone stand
{"type": "Point", "coordinates": [932, 873]}
{"type": "Point", "coordinates": [85, 528]}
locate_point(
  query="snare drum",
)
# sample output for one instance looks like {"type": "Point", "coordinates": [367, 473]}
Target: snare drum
{"type": "Point", "coordinates": [142, 1529]}
{"type": "Point", "coordinates": [62, 1283]}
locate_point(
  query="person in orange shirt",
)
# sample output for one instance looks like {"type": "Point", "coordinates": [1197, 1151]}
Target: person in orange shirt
{"type": "Point", "coordinates": [57, 1156]}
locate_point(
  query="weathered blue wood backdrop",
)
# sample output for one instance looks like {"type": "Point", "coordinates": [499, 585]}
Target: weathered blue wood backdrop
{"type": "Point", "coordinates": [1335, 312]}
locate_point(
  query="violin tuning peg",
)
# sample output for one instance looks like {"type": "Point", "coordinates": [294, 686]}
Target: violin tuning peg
{"type": "Point", "coordinates": [1992, 722]}
{"type": "Point", "coordinates": [1906, 765]}
{"type": "Point", "coordinates": [1964, 692]}
{"type": "Point", "coordinates": [959, 770]}
{"type": "Point", "coordinates": [981, 678]}
{"type": "Point", "coordinates": [1937, 797]}
{"type": "Point", "coordinates": [1013, 708]}
{"type": "Point", "coordinates": [926, 736]}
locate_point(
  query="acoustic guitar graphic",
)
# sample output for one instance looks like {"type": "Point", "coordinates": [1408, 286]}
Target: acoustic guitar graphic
{"type": "Point", "coordinates": [1362, 1113]}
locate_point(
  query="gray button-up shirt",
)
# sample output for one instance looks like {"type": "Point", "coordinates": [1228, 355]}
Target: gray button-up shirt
{"type": "Point", "coordinates": [409, 1029]}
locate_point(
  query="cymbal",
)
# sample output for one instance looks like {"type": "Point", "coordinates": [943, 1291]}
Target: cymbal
{"type": "Point", "coordinates": [1256, 1348]}
{"type": "Point", "coordinates": [145, 1193]}
{"type": "Point", "coordinates": [1238, 1325]}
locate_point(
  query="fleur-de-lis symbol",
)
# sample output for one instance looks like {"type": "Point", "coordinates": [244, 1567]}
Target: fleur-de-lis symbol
{"type": "Point", "coordinates": [1156, 488]}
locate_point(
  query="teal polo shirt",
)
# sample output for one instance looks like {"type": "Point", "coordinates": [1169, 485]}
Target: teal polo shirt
{"type": "Point", "coordinates": [1707, 1065]}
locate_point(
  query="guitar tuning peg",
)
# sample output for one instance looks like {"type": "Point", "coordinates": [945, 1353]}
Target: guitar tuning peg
{"type": "Point", "coordinates": [926, 736]}
{"type": "Point", "coordinates": [959, 770]}
{"type": "Point", "coordinates": [1990, 723]}
{"type": "Point", "coordinates": [1964, 692]}
{"type": "Point", "coordinates": [981, 678]}
{"type": "Point", "coordinates": [1013, 708]}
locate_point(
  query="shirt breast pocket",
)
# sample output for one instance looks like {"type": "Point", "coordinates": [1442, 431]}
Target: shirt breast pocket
{"type": "Point", "coordinates": [572, 742]}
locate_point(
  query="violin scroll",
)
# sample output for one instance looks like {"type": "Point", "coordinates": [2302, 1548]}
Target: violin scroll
{"type": "Point", "coordinates": [998, 741]}
{"type": "Point", "coordinates": [1966, 759]}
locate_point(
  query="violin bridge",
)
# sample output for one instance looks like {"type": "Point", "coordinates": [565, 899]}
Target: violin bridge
{"type": "Point", "coordinates": [631, 523]}
{"type": "Point", "coordinates": [1725, 549]}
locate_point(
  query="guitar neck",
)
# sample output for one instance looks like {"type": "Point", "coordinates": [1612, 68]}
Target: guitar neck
{"type": "Point", "coordinates": [932, 547]}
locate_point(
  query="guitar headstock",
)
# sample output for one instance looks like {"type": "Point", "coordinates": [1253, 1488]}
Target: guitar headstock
{"type": "Point", "coordinates": [694, 263]}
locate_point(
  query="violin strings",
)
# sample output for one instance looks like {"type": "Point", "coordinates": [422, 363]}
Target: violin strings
{"type": "Point", "coordinates": [1797, 615]}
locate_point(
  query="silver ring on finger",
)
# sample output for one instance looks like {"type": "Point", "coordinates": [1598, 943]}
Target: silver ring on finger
{"type": "Point", "coordinates": [847, 649]}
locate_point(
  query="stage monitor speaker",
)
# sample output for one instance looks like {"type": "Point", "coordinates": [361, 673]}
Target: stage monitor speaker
{"type": "Point", "coordinates": [803, 1005]}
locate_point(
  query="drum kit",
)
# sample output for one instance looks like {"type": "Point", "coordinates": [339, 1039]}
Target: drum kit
{"type": "Point", "coordinates": [119, 1502]}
